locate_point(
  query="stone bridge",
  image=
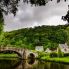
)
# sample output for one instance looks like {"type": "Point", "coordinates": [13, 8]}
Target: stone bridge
{"type": "Point", "coordinates": [21, 52]}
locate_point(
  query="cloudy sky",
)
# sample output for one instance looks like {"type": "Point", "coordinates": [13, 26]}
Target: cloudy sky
{"type": "Point", "coordinates": [28, 16]}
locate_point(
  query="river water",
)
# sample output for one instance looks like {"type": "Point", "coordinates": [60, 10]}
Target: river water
{"type": "Point", "coordinates": [31, 64]}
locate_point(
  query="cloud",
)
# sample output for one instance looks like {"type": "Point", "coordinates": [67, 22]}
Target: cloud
{"type": "Point", "coordinates": [28, 16]}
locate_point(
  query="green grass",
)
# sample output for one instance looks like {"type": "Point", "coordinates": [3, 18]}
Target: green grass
{"type": "Point", "coordinates": [56, 59]}
{"type": "Point", "coordinates": [8, 55]}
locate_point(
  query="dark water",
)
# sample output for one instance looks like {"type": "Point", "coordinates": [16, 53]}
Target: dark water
{"type": "Point", "coordinates": [31, 64]}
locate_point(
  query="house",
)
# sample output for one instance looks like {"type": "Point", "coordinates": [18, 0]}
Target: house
{"type": "Point", "coordinates": [64, 48]}
{"type": "Point", "coordinates": [39, 48]}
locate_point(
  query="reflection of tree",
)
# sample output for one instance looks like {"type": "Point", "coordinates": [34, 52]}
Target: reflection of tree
{"type": "Point", "coordinates": [40, 65]}
{"type": "Point", "coordinates": [47, 65]}
{"type": "Point", "coordinates": [56, 66]}
{"type": "Point", "coordinates": [31, 61]}
{"type": "Point", "coordinates": [9, 64]}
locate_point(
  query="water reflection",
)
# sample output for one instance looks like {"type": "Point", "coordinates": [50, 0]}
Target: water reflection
{"type": "Point", "coordinates": [31, 61]}
{"type": "Point", "coordinates": [31, 64]}
{"type": "Point", "coordinates": [9, 64]}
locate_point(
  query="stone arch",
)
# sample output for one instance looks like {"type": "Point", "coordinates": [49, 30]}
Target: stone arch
{"type": "Point", "coordinates": [11, 51]}
{"type": "Point", "coordinates": [31, 55]}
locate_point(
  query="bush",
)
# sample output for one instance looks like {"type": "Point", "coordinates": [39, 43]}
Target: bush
{"type": "Point", "coordinates": [53, 54]}
{"type": "Point", "coordinates": [41, 54]}
{"type": "Point", "coordinates": [66, 54]}
{"type": "Point", "coordinates": [60, 53]}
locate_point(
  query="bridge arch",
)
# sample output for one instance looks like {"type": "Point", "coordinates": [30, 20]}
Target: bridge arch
{"type": "Point", "coordinates": [11, 51]}
{"type": "Point", "coordinates": [31, 55]}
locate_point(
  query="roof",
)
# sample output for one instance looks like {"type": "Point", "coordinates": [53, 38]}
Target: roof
{"type": "Point", "coordinates": [63, 45]}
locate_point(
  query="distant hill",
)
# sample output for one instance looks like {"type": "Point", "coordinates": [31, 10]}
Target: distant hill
{"type": "Point", "coordinates": [47, 36]}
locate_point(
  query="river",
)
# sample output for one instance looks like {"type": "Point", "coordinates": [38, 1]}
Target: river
{"type": "Point", "coordinates": [30, 64]}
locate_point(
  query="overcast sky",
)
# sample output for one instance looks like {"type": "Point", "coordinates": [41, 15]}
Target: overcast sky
{"type": "Point", "coordinates": [28, 16]}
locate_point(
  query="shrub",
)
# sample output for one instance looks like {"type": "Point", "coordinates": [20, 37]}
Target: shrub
{"type": "Point", "coordinates": [66, 54]}
{"type": "Point", "coordinates": [41, 54]}
{"type": "Point", "coordinates": [60, 53]}
{"type": "Point", "coordinates": [53, 54]}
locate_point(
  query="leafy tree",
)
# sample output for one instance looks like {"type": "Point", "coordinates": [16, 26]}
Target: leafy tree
{"type": "Point", "coordinates": [11, 5]}
{"type": "Point", "coordinates": [47, 36]}
{"type": "Point", "coordinates": [58, 36]}
{"type": "Point", "coordinates": [8, 6]}
{"type": "Point", "coordinates": [67, 31]}
{"type": "Point", "coordinates": [60, 53]}
{"type": "Point", "coordinates": [52, 45]}
{"type": "Point", "coordinates": [66, 17]}
{"type": "Point", "coordinates": [1, 22]}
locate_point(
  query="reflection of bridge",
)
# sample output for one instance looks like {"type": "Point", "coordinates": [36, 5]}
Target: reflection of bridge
{"type": "Point", "coordinates": [22, 53]}
{"type": "Point", "coordinates": [26, 65]}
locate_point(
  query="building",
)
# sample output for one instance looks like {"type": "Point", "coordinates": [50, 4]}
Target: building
{"type": "Point", "coordinates": [64, 48]}
{"type": "Point", "coordinates": [39, 48]}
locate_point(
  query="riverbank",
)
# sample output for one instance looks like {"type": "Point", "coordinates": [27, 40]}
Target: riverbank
{"type": "Point", "coordinates": [56, 59]}
{"type": "Point", "coordinates": [8, 55]}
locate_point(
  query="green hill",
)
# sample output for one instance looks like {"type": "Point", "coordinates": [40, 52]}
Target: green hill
{"type": "Point", "coordinates": [47, 36]}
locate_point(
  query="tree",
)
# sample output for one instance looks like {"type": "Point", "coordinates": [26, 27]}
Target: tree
{"type": "Point", "coordinates": [1, 22]}
{"type": "Point", "coordinates": [52, 45]}
{"type": "Point", "coordinates": [59, 36]}
{"type": "Point", "coordinates": [66, 17]}
{"type": "Point", "coordinates": [40, 2]}
{"type": "Point", "coordinates": [11, 5]}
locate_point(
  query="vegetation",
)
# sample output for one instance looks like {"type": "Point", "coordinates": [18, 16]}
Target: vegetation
{"type": "Point", "coordinates": [60, 53]}
{"type": "Point", "coordinates": [56, 59]}
{"type": "Point", "coordinates": [47, 36]}
{"type": "Point", "coordinates": [53, 57]}
{"type": "Point", "coordinates": [8, 55]}
{"type": "Point", "coordinates": [11, 6]}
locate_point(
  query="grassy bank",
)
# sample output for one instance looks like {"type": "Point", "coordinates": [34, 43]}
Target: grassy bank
{"type": "Point", "coordinates": [54, 56]}
{"type": "Point", "coordinates": [56, 59]}
{"type": "Point", "coordinates": [8, 55]}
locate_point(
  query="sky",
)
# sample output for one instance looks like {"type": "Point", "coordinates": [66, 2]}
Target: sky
{"type": "Point", "coordinates": [31, 16]}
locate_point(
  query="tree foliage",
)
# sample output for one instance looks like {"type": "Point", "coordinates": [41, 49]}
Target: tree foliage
{"type": "Point", "coordinates": [44, 35]}
{"type": "Point", "coordinates": [12, 5]}
{"type": "Point", "coordinates": [66, 17]}
{"type": "Point", "coordinates": [1, 22]}
{"type": "Point", "coordinates": [9, 6]}
{"type": "Point", "coordinates": [47, 36]}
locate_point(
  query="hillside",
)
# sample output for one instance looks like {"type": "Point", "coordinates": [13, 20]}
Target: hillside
{"type": "Point", "coordinates": [48, 36]}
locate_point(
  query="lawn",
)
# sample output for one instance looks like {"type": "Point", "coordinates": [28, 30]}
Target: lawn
{"type": "Point", "coordinates": [56, 59]}
{"type": "Point", "coordinates": [8, 55]}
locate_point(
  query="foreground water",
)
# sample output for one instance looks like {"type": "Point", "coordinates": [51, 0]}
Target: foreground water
{"type": "Point", "coordinates": [30, 64]}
